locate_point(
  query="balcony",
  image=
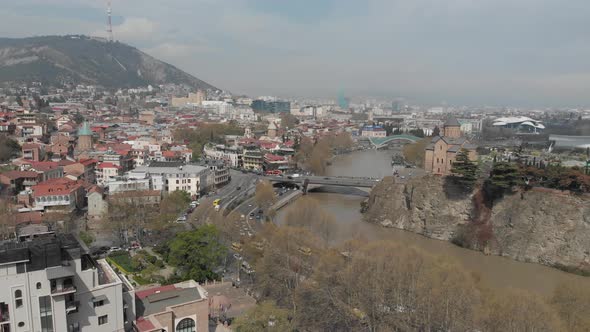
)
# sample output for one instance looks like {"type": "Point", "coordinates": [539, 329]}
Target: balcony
{"type": "Point", "coordinates": [72, 306]}
{"type": "Point", "coordinates": [64, 290]}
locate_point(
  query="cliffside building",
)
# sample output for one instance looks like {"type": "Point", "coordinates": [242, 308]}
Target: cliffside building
{"type": "Point", "coordinates": [442, 150]}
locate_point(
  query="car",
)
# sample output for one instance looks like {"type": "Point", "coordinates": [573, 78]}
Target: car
{"type": "Point", "coordinates": [260, 211]}
{"type": "Point", "coordinates": [251, 214]}
{"type": "Point", "coordinates": [112, 249]}
{"type": "Point", "coordinates": [250, 234]}
{"type": "Point", "coordinates": [239, 188]}
{"type": "Point", "coordinates": [258, 217]}
{"type": "Point", "coordinates": [238, 257]}
{"type": "Point", "coordinates": [290, 177]}
{"type": "Point", "coordinates": [249, 205]}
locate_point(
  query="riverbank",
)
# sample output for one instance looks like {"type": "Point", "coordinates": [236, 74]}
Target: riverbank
{"type": "Point", "coordinates": [497, 271]}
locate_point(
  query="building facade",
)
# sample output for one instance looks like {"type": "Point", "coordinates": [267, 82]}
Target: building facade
{"type": "Point", "coordinates": [50, 284]}
{"type": "Point", "coordinates": [442, 150]}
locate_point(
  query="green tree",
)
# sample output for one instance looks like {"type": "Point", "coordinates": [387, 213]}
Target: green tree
{"type": "Point", "coordinates": [436, 131]}
{"type": "Point", "coordinates": [266, 316]}
{"type": "Point", "coordinates": [9, 148]}
{"type": "Point", "coordinates": [504, 176]}
{"type": "Point", "coordinates": [196, 253]}
{"type": "Point", "coordinates": [78, 118]}
{"type": "Point", "coordinates": [465, 171]}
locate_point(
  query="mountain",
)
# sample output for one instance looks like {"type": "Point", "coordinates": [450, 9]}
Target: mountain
{"type": "Point", "coordinates": [86, 60]}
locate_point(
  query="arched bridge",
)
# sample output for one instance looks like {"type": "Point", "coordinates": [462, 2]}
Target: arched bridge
{"type": "Point", "coordinates": [379, 142]}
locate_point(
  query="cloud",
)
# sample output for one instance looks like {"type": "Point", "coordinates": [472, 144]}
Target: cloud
{"type": "Point", "coordinates": [487, 51]}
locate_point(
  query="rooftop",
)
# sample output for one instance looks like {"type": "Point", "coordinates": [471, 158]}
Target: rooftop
{"type": "Point", "coordinates": [155, 300]}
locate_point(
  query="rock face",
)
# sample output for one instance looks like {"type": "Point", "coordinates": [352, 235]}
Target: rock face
{"type": "Point", "coordinates": [541, 226]}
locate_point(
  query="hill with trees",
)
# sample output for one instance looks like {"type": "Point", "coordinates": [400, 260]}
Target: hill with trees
{"type": "Point", "coordinates": [54, 60]}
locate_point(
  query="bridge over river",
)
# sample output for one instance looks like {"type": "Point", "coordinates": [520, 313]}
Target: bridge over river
{"type": "Point", "coordinates": [312, 182]}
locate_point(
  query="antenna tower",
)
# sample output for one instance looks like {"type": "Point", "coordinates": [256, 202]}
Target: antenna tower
{"type": "Point", "coordinates": [110, 24]}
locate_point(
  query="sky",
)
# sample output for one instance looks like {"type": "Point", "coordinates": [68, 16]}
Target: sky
{"type": "Point", "coordinates": [533, 53]}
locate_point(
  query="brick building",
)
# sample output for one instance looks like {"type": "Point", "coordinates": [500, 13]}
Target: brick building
{"type": "Point", "coordinates": [442, 150]}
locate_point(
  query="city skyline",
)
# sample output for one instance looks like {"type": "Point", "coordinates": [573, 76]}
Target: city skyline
{"type": "Point", "coordinates": [503, 53]}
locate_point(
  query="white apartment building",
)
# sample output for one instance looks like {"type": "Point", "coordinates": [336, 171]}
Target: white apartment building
{"type": "Point", "coordinates": [122, 184]}
{"type": "Point", "coordinates": [49, 283]}
{"type": "Point", "coordinates": [171, 176]}
{"type": "Point", "coordinates": [229, 155]}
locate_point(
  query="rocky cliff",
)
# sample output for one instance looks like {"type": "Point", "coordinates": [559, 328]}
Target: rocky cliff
{"type": "Point", "coordinates": [540, 226]}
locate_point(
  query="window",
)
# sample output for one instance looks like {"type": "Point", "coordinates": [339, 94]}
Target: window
{"type": "Point", "coordinates": [98, 303]}
{"type": "Point", "coordinates": [186, 325]}
{"type": "Point", "coordinates": [21, 324]}
{"type": "Point", "coordinates": [45, 314]}
{"type": "Point", "coordinates": [38, 285]}
{"type": "Point", "coordinates": [18, 298]}
{"type": "Point", "coordinates": [20, 268]}
{"type": "Point", "coordinates": [103, 320]}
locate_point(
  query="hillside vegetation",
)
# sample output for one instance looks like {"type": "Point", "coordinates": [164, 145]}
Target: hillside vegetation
{"type": "Point", "coordinates": [85, 60]}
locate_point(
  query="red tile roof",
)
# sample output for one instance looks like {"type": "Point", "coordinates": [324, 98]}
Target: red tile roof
{"type": "Point", "coordinates": [273, 157]}
{"type": "Point", "coordinates": [145, 293]}
{"type": "Point", "coordinates": [143, 325]}
{"type": "Point", "coordinates": [88, 162]}
{"type": "Point", "coordinates": [59, 186]}
{"type": "Point", "coordinates": [43, 166]}
{"type": "Point", "coordinates": [20, 174]}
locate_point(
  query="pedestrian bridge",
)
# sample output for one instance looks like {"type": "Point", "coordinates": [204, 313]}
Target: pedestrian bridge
{"type": "Point", "coordinates": [379, 142]}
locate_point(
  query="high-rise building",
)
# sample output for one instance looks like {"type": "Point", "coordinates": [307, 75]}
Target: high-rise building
{"type": "Point", "coordinates": [274, 106]}
{"type": "Point", "coordinates": [343, 101]}
{"type": "Point", "coordinates": [397, 105]}
{"type": "Point", "coordinates": [50, 283]}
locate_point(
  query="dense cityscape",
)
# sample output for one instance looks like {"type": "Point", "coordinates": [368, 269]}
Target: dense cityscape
{"type": "Point", "coordinates": [136, 197]}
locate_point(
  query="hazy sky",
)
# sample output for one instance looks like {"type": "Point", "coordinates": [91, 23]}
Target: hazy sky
{"type": "Point", "coordinates": [494, 52]}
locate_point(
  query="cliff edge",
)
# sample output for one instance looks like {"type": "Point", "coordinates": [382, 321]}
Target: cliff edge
{"type": "Point", "coordinates": [541, 226]}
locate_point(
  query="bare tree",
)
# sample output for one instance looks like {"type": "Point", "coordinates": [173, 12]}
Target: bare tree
{"type": "Point", "coordinates": [265, 195]}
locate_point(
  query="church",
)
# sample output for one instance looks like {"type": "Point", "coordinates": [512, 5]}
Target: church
{"type": "Point", "coordinates": [442, 150]}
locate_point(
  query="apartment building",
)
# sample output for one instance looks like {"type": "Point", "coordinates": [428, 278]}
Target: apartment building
{"type": "Point", "coordinates": [172, 176]}
{"type": "Point", "coordinates": [49, 283]}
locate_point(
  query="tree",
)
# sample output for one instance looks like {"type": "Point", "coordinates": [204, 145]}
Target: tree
{"type": "Point", "coordinates": [78, 118]}
{"type": "Point", "coordinates": [197, 253]}
{"type": "Point", "coordinates": [572, 303]}
{"type": "Point", "coordinates": [308, 214]}
{"type": "Point", "coordinates": [465, 171]}
{"type": "Point", "coordinates": [414, 152]}
{"type": "Point", "coordinates": [517, 310]}
{"type": "Point", "coordinates": [7, 219]}
{"type": "Point", "coordinates": [436, 131]}
{"type": "Point", "coordinates": [265, 195]}
{"type": "Point", "coordinates": [266, 316]}
{"type": "Point", "coordinates": [288, 120]}
{"type": "Point", "coordinates": [504, 176]}
{"type": "Point", "coordinates": [9, 148]}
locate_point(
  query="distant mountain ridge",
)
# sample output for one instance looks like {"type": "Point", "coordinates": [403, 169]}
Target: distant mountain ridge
{"type": "Point", "coordinates": [86, 60]}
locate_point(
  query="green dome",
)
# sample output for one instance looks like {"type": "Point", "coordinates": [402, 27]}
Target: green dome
{"type": "Point", "coordinates": [85, 130]}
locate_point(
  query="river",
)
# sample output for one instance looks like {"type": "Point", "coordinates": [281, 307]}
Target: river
{"type": "Point", "coordinates": [495, 270]}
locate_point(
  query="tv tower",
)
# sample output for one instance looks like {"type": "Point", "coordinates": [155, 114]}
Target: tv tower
{"type": "Point", "coordinates": [110, 24]}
